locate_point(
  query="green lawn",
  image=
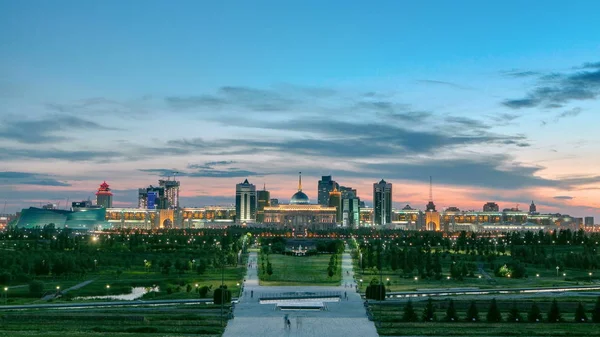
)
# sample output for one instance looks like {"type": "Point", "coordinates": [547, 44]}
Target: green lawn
{"type": "Point", "coordinates": [299, 270]}
{"type": "Point", "coordinates": [389, 318]}
{"type": "Point", "coordinates": [167, 321]}
{"type": "Point", "coordinates": [135, 277]}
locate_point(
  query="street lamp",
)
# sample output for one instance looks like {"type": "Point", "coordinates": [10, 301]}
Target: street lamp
{"type": "Point", "coordinates": [557, 268]}
{"type": "Point", "coordinates": [5, 295]}
{"type": "Point", "coordinates": [107, 289]}
{"type": "Point", "coordinates": [590, 276]}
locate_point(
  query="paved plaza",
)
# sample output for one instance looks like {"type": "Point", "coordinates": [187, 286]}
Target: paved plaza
{"type": "Point", "coordinates": [346, 317]}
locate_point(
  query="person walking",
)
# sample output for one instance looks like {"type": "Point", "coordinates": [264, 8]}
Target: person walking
{"type": "Point", "coordinates": [285, 321]}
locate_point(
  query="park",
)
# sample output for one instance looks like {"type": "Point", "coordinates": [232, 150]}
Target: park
{"type": "Point", "coordinates": [217, 282]}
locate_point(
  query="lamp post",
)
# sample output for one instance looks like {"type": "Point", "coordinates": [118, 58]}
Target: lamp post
{"type": "Point", "coordinates": [557, 268]}
{"type": "Point", "coordinates": [5, 295]}
{"type": "Point", "coordinates": [107, 289]}
{"type": "Point", "coordinates": [590, 273]}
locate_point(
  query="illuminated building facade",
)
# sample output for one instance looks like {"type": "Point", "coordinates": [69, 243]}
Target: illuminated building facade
{"type": "Point", "coordinates": [335, 200]}
{"type": "Point", "coordinates": [171, 192]}
{"type": "Point", "coordinates": [263, 200]}
{"type": "Point", "coordinates": [324, 187]}
{"type": "Point", "coordinates": [104, 196]}
{"type": "Point", "coordinates": [407, 218]}
{"type": "Point", "coordinates": [152, 198]}
{"type": "Point", "coordinates": [300, 214]}
{"type": "Point", "coordinates": [245, 202]}
{"type": "Point", "coordinates": [201, 217]}
{"type": "Point", "coordinates": [351, 212]}
{"type": "Point", "coordinates": [382, 203]}
{"type": "Point", "coordinates": [491, 207]}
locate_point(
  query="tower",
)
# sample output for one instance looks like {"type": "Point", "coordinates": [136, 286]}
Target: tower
{"type": "Point", "coordinates": [382, 203]}
{"type": "Point", "coordinates": [264, 200]}
{"type": "Point", "coordinates": [171, 191]}
{"type": "Point", "coordinates": [324, 187]}
{"type": "Point", "coordinates": [335, 200]}
{"type": "Point", "coordinates": [245, 202]}
{"type": "Point", "coordinates": [432, 216]}
{"type": "Point", "coordinates": [532, 208]}
{"type": "Point", "coordinates": [104, 196]}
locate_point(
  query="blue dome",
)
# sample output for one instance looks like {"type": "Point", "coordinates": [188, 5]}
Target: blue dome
{"type": "Point", "coordinates": [299, 198]}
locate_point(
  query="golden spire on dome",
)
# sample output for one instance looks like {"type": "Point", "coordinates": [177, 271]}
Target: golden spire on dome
{"type": "Point", "coordinates": [299, 181]}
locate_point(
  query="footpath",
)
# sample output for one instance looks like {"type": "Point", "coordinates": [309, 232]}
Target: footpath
{"type": "Point", "coordinates": [344, 318]}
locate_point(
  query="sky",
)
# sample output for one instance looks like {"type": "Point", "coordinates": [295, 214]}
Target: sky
{"type": "Point", "coordinates": [497, 101]}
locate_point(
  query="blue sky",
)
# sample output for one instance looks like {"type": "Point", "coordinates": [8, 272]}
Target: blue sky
{"type": "Point", "coordinates": [471, 92]}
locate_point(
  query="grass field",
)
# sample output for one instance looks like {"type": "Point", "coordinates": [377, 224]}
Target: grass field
{"type": "Point", "coordinates": [389, 318]}
{"type": "Point", "coordinates": [122, 284]}
{"type": "Point", "coordinates": [201, 320]}
{"type": "Point", "coordinates": [300, 270]}
{"type": "Point", "coordinates": [537, 276]}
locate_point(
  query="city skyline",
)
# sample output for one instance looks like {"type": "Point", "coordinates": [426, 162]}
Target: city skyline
{"type": "Point", "coordinates": [494, 109]}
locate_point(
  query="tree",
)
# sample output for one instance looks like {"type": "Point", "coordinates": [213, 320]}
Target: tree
{"type": "Point", "coordinates": [472, 313]}
{"type": "Point", "coordinates": [534, 315]}
{"type": "Point", "coordinates": [429, 311]}
{"type": "Point", "coordinates": [493, 314]}
{"type": "Point", "coordinates": [514, 315]}
{"type": "Point", "coordinates": [580, 316]}
{"type": "Point", "coordinates": [36, 288]}
{"type": "Point", "coordinates": [451, 315]}
{"type": "Point", "coordinates": [269, 268]}
{"type": "Point", "coordinates": [554, 313]}
{"type": "Point", "coordinates": [221, 295]}
{"type": "Point", "coordinates": [375, 291]}
{"type": "Point", "coordinates": [409, 314]}
{"type": "Point", "coordinates": [596, 312]}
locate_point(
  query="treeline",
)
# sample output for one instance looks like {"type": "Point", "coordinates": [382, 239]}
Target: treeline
{"type": "Point", "coordinates": [493, 315]}
{"type": "Point", "coordinates": [47, 252]}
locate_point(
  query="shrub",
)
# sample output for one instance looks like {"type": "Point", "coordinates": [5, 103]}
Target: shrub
{"type": "Point", "coordinates": [36, 288]}
{"type": "Point", "coordinates": [580, 316]}
{"type": "Point", "coordinates": [451, 315]}
{"type": "Point", "coordinates": [494, 315]}
{"type": "Point", "coordinates": [221, 295]}
{"type": "Point", "coordinates": [534, 315]}
{"type": "Point", "coordinates": [409, 314]}
{"type": "Point", "coordinates": [554, 313]}
{"type": "Point", "coordinates": [429, 311]}
{"type": "Point", "coordinates": [514, 315]}
{"type": "Point", "coordinates": [203, 291]}
{"type": "Point", "coordinates": [472, 313]}
{"type": "Point", "coordinates": [375, 292]}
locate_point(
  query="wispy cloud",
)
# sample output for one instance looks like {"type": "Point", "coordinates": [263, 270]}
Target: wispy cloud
{"type": "Point", "coordinates": [554, 90]}
{"type": "Point", "coordinates": [28, 178]}
{"type": "Point", "coordinates": [45, 130]}
{"type": "Point", "coordinates": [563, 197]}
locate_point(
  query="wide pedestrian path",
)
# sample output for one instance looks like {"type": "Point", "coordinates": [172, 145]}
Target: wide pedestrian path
{"type": "Point", "coordinates": [344, 318]}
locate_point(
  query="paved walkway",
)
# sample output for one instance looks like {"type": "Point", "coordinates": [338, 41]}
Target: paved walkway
{"type": "Point", "coordinates": [345, 318]}
{"type": "Point", "coordinates": [62, 292]}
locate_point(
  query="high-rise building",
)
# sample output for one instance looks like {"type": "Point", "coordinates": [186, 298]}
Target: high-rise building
{"type": "Point", "coordinates": [104, 196]}
{"type": "Point", "coordinates": [171, 192]}
{"type": "Point", "coordinates": [335, 200]}
{"type": "Point", "coordinates": [245, 202]}
{"type": "Point", "coordinates": [382, 203]}
{"type": "Point", "coordinates": [264, 200]}
{"type": "Point", "coordinates": [274, 202]}
{"type": "Point", "coordinates": [347, 192]}
{"type": "Point", "coordinates": [532, 208]}
{"type": "Point", "coordinates": [589, 221]}
{"type": "Point", "coordinates": [491, 207]}
{"type": "Point", "coordinates": [351, 212]}
{"type": "Point", "coordinates": [152, 197]}
{"type": "Point", "coordinates": [325, 186]}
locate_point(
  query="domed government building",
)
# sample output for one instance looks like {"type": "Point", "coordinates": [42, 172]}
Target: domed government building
{"type": "Point", "coordinates": [300, 214]}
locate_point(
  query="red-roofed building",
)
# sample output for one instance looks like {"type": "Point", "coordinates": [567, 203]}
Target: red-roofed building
{"type": "Point", "coordinates": [104, 196]}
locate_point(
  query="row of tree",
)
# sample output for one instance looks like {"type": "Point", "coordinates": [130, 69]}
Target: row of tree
{"type": "Point", "coordinates": [494, 315]}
